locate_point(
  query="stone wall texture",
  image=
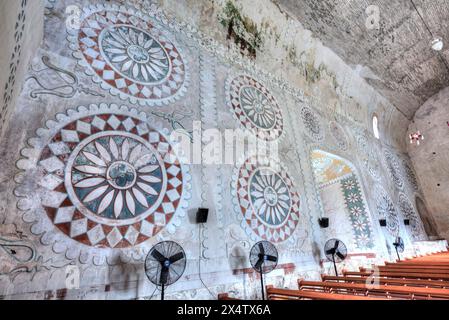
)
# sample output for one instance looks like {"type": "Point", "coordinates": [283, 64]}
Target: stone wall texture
{"type": "Point", "coordinates": [431, 157]}
{"type": "Point", "coordinates": [91, 179]}
{"type": "Point", "coordinates": [20, 34]}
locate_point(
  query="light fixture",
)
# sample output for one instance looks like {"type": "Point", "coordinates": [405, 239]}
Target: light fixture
{"type": "Point", "coordinates": [437, 44]}
{"type": "Point", "coordinates": [415, 137]}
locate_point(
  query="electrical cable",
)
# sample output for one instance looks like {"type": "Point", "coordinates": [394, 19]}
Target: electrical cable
{"type": "Point", "coordinates": [199, 261]}
{"type": "Point", "coordinates": [431, 34]}
{"type": "Point", "coordinates": [151, 297]}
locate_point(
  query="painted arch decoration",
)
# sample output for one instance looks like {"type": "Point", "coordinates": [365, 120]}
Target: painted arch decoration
{"type": "Point", "coordinates": [408, 211]}
{"type": "Point", "coordinates": [254, 107]}
{"type": "Point", "coordinates": [265, 199]}
{"type": "Point", "coordinates": [394, 169]}
{"type": "Point", "coordinates": [130, 54]}
{"type": "Point", "coordinates": [330, 169]}
{"type": "Point", "coordinates": [104, 179]}
{"type": "Point", "coordinates": [387, 211]}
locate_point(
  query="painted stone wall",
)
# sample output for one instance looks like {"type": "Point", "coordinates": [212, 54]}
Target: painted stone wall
{"type": "Point", "coordinates": [91, 178]}
{"type": "Point", "coordinates": [431, 119]}
{"type": "Point", "coordinates": [20, 35]}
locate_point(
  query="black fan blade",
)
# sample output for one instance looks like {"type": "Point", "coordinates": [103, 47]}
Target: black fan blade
{"type": "Point", "coordinates": [176, 257]}
{"type": "Point", "coordinates": [261, 248]}
{"type": "Point", "coordinates": [258, 264]}
{"type": "Point", "coordinates": [342, 257]}
{"type": "Point", "coordinates": [272, 258]}
{"type": "Point", "coordinates": [330, 251]}
{"type": "Point", "coordinates": [164, 275]}
{"type": "Point", "coordinates": [158, 256]}
{"type": "Point", "coordinates": [337, 242]}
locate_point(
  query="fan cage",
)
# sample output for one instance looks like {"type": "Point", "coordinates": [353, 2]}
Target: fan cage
{"type": "Point", "coordinates": [153, 267]}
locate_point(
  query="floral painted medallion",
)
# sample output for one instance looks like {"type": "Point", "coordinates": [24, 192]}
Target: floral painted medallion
{"type": "Point", "coordinates": [267, 201]}
{"type": "Point", "coordinates": [129, 55]}
{"type": "Point", "coordinates": [104, 178]}
{"type": "Point", "coordinates": [254, 107]}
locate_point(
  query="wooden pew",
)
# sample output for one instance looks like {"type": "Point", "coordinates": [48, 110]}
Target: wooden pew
{"type": "Point", "coordinates": [406, 270]}
{"type": "Point", "coordinates": [391, 291]}
{"type": "Point", "coordinates": [435, 276]}
{"type": "Point", "coordinates": [391, 281]}
{"type": "Point", "coordinates": [415, 266]}
{"type": "Point", "coordinates": [409, 270]}
{"type": "Point", "coordinates": [225, 296]}
{"type": "Point", "coordinates": [286, 294]}
{"type": "Point", "coordinates": [422, 263]}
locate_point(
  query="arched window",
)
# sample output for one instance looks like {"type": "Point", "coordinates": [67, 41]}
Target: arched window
{"type": "Point", "coordinates": [376, 126]}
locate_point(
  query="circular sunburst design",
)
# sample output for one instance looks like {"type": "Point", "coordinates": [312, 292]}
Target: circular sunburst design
{"type": "Point", "coordinates": [312, 123]}
{"type": "Point", "coordinates": [105, 179]}
{"type": "Point", "coordinates": [129, 55]}
{"type": "Point", "coordinates": [386, 210]}
{"type": "Point", "coordinates": [393, 169]}
{"type": "Point", "coordinates": [267, 201]}
{"type": "Point", "coordinates": [135, 54]}
{"type": "Point", "coordinates": [117, 176]}
{"type": "Point", "coordinates": [409, 212]}
{"type": "Point", "coordinates": [254, 106]}
{"type": "Point", "coordinates": [338, 134]}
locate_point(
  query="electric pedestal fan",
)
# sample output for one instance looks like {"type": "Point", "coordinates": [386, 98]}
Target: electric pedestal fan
{"type": "Point", "coordinates": [335, 251]}
{"type": "Point", "coordinates": [165, 264]}
{"type": "Point", "coordinates": [264, 259]}
{"type": "Point", "coordinates": [399, 246]}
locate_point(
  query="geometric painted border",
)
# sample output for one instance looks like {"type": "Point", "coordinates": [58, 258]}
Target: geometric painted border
{"type": "Point", "coordinates": [251, 222]}
{"type": "Point", "coordinates": [361, 224]}
{"type": "Point", "coordinates": [42, 195]}
{"type": "Point", "coordinates": [86, 48]}
{"type": "Point", "coordinates": [233, 91]}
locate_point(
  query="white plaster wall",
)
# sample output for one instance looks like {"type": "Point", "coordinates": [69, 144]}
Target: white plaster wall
{"type": "Point", "coordinates": [431, 158]}
{"type": "Point", "coordinates": [21, 32]}
{"type": "Point", "coordinates": [57, 85]}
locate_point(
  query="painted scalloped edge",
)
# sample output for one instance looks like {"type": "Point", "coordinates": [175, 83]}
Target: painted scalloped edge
{"type": "Point", "coordinates": [60, 243]}
{"type": "Point", "coordinates": [208, 99]}
{"type": "Point", "coordinates": [231, 76]}
{"type": "Point", "coordinates": [236, 205]}
{"type": "Point", "coordinates": [72, 38]}
{"type": "Point", "coordinates": [209, 116]}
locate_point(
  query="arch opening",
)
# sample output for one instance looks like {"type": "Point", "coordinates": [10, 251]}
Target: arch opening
{"type": "Point", "coordinates": [343, 200]}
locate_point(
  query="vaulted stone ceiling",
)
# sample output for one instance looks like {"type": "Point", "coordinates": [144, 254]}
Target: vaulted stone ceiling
{"type": "Point", "coordinates": [396, 58]}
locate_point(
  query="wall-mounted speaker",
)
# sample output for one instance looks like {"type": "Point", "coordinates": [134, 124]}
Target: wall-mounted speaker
{"type": "Point", "coordinates": [201, 215]}
{"type": "Point", "coordinates": [383, 222]}
{"type": "Point", "coordinates": [324, 222]}
{"type": "Point", "coordinates": [406, 222]}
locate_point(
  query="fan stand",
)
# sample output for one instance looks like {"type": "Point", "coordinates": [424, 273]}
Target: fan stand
{"type": "Point", "coordinates": [335, 266]}
{"type": "Point", "coordinates": [162, 292]}
{"type": "Point", "coordinates": [397, 253]}
{"type": "Point", "coordinates": [261, 283]}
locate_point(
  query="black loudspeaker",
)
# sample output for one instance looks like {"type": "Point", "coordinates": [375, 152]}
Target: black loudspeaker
{"type": "Point", "coordinates": [406, 222]}
{"type": "Point", "coordinates": [201, 215]}
{"type": "Point", "coordinates": [383, 222]}
{"type": "Point", "coordinates": [324, 222]}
